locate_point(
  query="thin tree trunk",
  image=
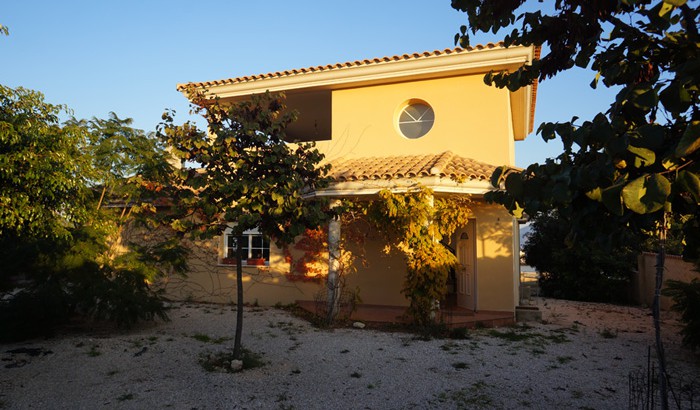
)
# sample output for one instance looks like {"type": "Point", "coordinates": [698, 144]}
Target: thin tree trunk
{"type": "Point", "coordinates": [660, 355]}
{"type": "Point", "coordinates": [333, 268]}
{"type": "Point", "coordinates": [239, 299]}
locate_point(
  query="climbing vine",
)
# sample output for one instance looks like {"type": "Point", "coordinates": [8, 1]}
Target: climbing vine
{"type": "Point", "coordinates": [416, 223]}
{"type": "Point", "coordinates": [312, 264]}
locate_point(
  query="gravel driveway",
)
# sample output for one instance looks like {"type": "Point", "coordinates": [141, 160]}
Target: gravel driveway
{"type": "Point", "coordinates": [578, 358]}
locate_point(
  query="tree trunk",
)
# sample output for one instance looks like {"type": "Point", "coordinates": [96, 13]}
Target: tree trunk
{"type": "Point", "coordinates": [660, 355]}
{"type": "Point", "coordinates": [333, 268]}
{"type": "Point", "coordinates": [239, 299]}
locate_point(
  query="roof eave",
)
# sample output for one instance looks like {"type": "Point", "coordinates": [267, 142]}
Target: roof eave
{"type": "Point", "coordinates": [343, 76]}
{"type": "Point", "coordinates": [437, 184]}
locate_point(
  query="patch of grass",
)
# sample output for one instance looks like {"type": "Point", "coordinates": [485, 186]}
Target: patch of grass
{"type": "Point", "coordinates": [472, 397]}
{"type": "Point", "coordinates": [460, 365]}
{"type": "Point", "coordinates": [125, 397]}
{"type": "Point", "coordinates": [460, 333]}
{"type": "Point", "coordinates": [208, 339]}
{"type": "Point", "coordinates": [608, 333]}
{"type": "Point", "coordinates": [512, 335]}
{"type": "Point", "coordinates": [538, 351]}
{"type": "Point", "coordinates": [93, 352]}
{"type": "Point", "coordinates": [564, 359]}
{"type": "Point", "coordinates": [221, 361]}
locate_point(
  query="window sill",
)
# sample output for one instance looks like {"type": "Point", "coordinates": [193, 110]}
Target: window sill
{"type": "Point", "coordinates": [245, 265]}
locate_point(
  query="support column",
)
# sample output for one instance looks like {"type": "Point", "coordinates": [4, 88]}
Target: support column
{"type": "Point", "coordinates": [333, 265]}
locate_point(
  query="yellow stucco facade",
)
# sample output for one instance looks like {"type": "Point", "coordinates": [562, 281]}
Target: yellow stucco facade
{"type": "Point", "coordinates": [352, 110]}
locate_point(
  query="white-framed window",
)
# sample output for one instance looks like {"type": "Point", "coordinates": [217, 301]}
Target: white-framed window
{"type": "Point", "coordinates": [255, 247]}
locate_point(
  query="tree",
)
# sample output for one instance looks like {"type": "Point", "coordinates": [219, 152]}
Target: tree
{"type": "Point", "coordinates": [250, 176]}
{"type": "Point", "coordinates": [55, 231]}
{"type": "Point", "coordinates": [580, 271]}
{"type": "Point", "coordinates": [42, 184]}
{"type": "Point", "coordinates": [627, 167]}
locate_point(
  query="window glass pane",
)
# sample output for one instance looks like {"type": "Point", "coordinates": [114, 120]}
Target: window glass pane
{"type": "Point", "coordinates": [230, 246]}
{"type": "Point", "coordinates": [257, 241]}
{"type": "Point", "coordinates": [416, 120]}
{"type": "Point", "coordinates": [253, 245]}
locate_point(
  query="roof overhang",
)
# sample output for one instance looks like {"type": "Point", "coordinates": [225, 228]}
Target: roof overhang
{"type": "Point", "coordinates": [317, 83]}
{"type": "Point", "coordinates": [438, 185]}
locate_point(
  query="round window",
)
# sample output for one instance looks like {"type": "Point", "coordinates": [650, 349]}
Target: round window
{"type": "Point", "coordinates": [416, 119]}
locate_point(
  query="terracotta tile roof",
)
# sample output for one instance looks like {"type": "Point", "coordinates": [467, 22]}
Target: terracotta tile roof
{"type": "Point", "coordinates": [339, 66]}
{"type": "Point", "coordinates": [446, 164]}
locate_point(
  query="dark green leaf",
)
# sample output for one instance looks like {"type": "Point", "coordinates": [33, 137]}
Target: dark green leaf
{"type": "Point", "coordinates": [690, 141]}
{"type": "Point", "coordinates": [689, 182]}
{"type": "Point", "coordinates": [647, 193]}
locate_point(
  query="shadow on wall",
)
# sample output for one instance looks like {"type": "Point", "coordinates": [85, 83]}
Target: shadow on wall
{"type": "Point", "coordinates": [675, 268]}
{"type": "Point", "coordinates": [494, 230]}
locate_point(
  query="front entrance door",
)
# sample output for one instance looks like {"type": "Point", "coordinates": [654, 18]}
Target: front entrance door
{"type": "Point", "coordinates": [465, 272]}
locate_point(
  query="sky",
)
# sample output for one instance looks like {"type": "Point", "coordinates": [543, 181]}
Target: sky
{"type": "Point", "coordinates": [127, 57]}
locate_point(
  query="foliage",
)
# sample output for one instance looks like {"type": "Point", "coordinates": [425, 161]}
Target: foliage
{"type": "Point", "coordinates": [686, 297]}
{"type": "Point", "coordinates": [580, 271]}
{"type": "Point", "coordinates": [624, 169]}
{"type": "Point", "coordinates": [250, 176]}
{"type": "Point", "coordinates": [58, 241]}
{"type": "Point", "coordinates": [42, 186]}
{"type": "Point", "coordinates": [312, 265]}
{"type": "Point", "coordinates": [415, 223]}
{"type": "Point", "coordinates": [638, 159]}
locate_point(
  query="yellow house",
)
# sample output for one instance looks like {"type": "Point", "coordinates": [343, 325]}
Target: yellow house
{"type": "Point", "coordinates": [392, 122]}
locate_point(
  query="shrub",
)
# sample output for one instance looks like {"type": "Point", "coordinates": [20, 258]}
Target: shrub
{"type": "Point", "coordinates": [686, 298]}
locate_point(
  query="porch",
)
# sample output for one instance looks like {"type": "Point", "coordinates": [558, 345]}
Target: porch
{"type": "Point", "coordinates": [453, 317]}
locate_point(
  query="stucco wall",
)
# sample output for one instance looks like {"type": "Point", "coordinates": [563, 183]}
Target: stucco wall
{"type": "Point", "coordinates": [471, 120]}
{"type": "Point", "coordinates": [378, 277]}
{"type": "Point", "coordinates": [643, 282]}
{"type": "Point", "coordinates": [496, 280]}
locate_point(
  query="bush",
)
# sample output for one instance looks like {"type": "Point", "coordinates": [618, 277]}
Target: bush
{"type": "Point", "coordinates": [577, 270]}
{"type": "Point", "coordinates": [122, 297]}
{"type": "Point", "coordinates": [34, 312]}
{"type": "Point", "coordinates": [686, 298]}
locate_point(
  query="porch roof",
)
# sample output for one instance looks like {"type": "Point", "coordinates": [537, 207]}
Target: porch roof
{"type": "Point", "coordinates": [444, 172]}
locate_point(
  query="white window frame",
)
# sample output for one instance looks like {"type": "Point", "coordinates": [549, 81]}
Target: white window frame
{"type": "Point", "coordinates": [248, 235]}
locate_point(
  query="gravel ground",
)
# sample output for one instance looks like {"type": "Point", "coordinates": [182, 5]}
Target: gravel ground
{"type": "Point", "coordinates": [579, 357]}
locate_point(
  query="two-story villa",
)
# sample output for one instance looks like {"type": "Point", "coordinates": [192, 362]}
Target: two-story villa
{"type": "Point", "coordinates": [395, 122]}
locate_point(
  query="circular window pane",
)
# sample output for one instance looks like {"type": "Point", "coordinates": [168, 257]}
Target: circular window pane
{"type": "Point", "coordinates": [416, 119]}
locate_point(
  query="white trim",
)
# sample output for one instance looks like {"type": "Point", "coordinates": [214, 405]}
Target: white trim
{"type": "Point", "coordinates": [372, 187]}
{"type": "Point", "coordinates": [433, 66]}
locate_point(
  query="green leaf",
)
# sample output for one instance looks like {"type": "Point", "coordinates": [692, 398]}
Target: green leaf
{"type": "Point", "coordinates": [643, 157]}
{"type": "Point", "coordinates": [514, 185]}
{"type": "Point", "coordinates": [647, 193]}
{"type": "Point", "coordinates": [612, 199]}
{"type": "Point", "coordinates": [666, 9]}
{"type": "Point", "coordinates": [498, 176]}
{"type": "Point", "coordinates": [676, 3]}
{"type": "Point", "coordinates": [675, 98]}
{"type": "Point", "coordinates": [690, 140]}
{"type": "Point", "coordinates": [689, 182]}
{"type": "Point", "coordinates": [644, 98]}
{"type": "Point", "coordinates": [595, 194]}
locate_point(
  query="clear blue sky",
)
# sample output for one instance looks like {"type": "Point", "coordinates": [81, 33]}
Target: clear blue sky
{"type": "Point", "coordinates": [127, 56]}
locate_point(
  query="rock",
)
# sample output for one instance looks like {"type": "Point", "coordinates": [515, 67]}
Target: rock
{"type": "Point", "coordinates": [236, 365]}
{"type": "Point", "coordinates": [358, 325]}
